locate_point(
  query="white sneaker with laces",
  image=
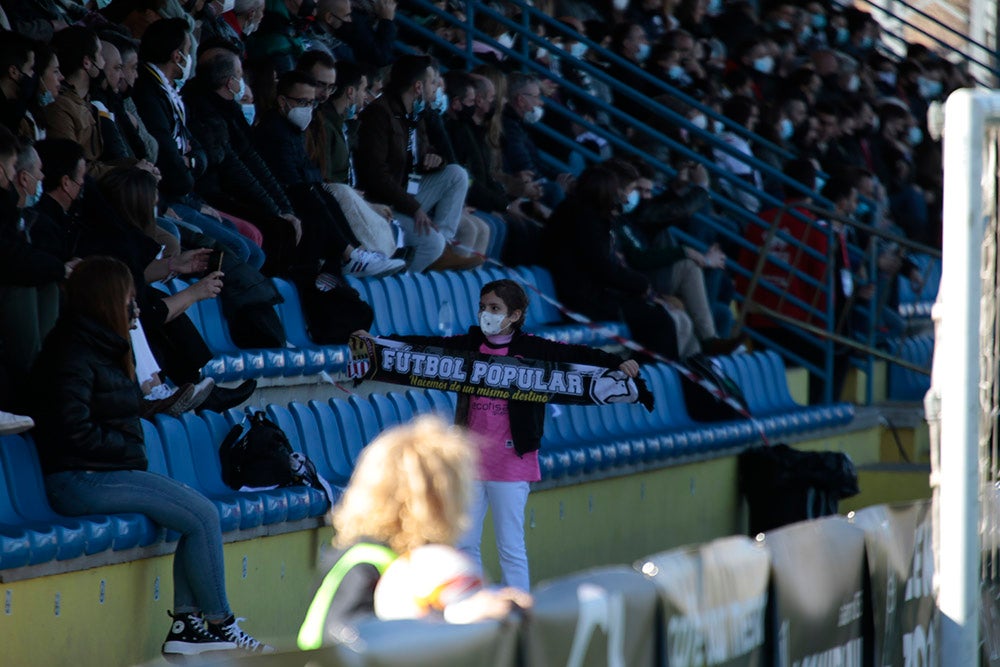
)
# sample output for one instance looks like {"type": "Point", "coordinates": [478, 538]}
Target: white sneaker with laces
{"type": "Point", "coordinates": [230, 631]}
{"type": "Point", "coordinates": [365, 263]}
{"type": "Point", "coordinates": [11, 423]}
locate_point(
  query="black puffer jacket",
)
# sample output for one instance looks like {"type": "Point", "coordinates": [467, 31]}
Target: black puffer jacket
{"type": "Point", "coordinates": [526, 418]}
{"type": "Point", "coordinates": [85, 406]}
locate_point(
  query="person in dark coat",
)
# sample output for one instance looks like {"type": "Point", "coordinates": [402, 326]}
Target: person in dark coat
{"type": "Point", "coordinates": [236, 178]}
{"type": "Point", "coordinates": [577, 247]}
{"type": "Point", "coordinates": [90, 443]}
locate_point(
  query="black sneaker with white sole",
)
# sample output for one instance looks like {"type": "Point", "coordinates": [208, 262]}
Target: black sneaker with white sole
{"type": "Point", "coordinates": [190, 635]}
{"type": "Point", "coordinates": [229, 630]}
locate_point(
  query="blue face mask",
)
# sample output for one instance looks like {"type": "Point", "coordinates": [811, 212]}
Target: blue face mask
{"type": "Point", "coordinates": [786, 129]}
{"type": "Point", "coordinates": [819, 183]}
{"type": "Point", "coordinates": [675, 72]}
{"type": "Point", "coordinates": [249, 112]}
{"type": "Point", "coordinates": [631, 202]}
{"type": "Point", "coordinates": [440, 103]}
{"type": "Point", "coordinates": [34, 197]}
{"type": "Point", "coordinates": [419, 105]}
{"type": "Point", "coordinates": [843, 34]}
{"type": "Point", "coordinates": [819, 21]}
{"type": "Point", "coordinates": [862, 210]}
{"type": "Point", "coordinates": [643, 53]}
{"type": "Point", "coordinates": [46, 98]}
{"type": "Point", "coordinates": [351, 111]}
{"type": "Point", "coordinates": [578, 50]}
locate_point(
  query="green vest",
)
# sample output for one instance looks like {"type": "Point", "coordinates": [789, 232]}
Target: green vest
{"type": "Point", "coordinates": [311, 632]}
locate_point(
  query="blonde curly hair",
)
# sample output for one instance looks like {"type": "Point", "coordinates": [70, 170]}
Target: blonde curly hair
{"type": "Point", "coordinates": [410, 487]}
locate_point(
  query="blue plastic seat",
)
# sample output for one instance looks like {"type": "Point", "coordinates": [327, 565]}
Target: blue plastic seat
{"type": "Point", "coordinates": [442, 402]}
{"type": "Point", "coordinates": [419, 402]}
{"type": "Point", "coordinates": [334, 442]}
{"type": "Point", "coordinates": [75, 536]}
{"type": "Point", "coordinates": [398, 309]}
{"type": "Point", "coordinates": [358, 424]}
{"type": "Point", "coordinates": [385, 411]}
{"type": "Point", "coordinates": [23, 542]}
{"type": "Point", "coordinates": [296, 332]}
{"type": "Point", "coordinates": [421, 312]}
{"type": "Point", "coordinates": [182, 468]}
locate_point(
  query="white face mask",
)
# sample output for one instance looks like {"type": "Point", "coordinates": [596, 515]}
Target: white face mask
{"type": "Point", "coordinates": [491, 323]}
{"type": "Point", "coordinates": [300, 117]}
{"type": "Point", "coordinates": [251, 28]}
{"type": "Point", "coordinates": [185, 70]}
{"type": "Point", "coordinates": [534, 115]}
{"type": "Point", "coordinates": [227, 5]}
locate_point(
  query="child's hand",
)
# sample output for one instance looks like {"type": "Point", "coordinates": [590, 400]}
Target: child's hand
{"type": "Point", "coordinates": [630, 368]}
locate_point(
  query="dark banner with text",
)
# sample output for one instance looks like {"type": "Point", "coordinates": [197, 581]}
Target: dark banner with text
{"type": "Point", "coordinates": [508, 378]}
{"type": "Point", "coordinates": [819, 614]}
{"type": "Point", "coordinates": [901, 560]}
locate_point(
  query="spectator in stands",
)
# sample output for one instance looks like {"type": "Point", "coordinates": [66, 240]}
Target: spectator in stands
{"type": "Point", "coordinates": [677, 270]}
{"type": "Point", "coordinates": [331, 17]}
{"type": "Point", "coordinates": [397, 166]}
{"type": "Point", "coordinates": [131, 124]}
{"type": "Point", "coordinates": [90, 443]}
{"type": "Point", "coordinates": [330, 140]}
{"type": "Point", "coordinates": [69, 227]}
{"type": "Point", "coordinates": [30, 276]}
{"type": "Point", "coordinates": [120, 137]}
{"type": "Point", "coordinates": [509, 433]}
{"type": "Point", "coordinates": [280, 140]}
{"type": "Point", "coordinates": [630, 42]}
{"type": "Point", "coordinates": [742, 111]}
{"type": "Point", "coordinates": [168, 63]}
{"type": "Point", "coordinates": [344, 104]}
{"type": "Point", "coordinates": [81, 60]}
{"type": "Point", "coordinates": [410, 488]}
{"type": "Point", "coordinates": [279, 39]}
{"type": "Point", "coordinates": [42, 19]}
{"type": "Point", "coordinates": [589, 277]}
{"type": "Point", "coordinates": [245, 18]}
{"type": "Point", "coordinates": [520, 154]}
{"type": "Point", "coordinates": [236, 178]}
{"type": "Point", "coordinates": [18, 83]}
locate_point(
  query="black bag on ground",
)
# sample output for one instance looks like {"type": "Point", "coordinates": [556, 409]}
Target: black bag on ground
{"type": "Point", "coordinates": [256, 455]}
{"type": "Point", "coordinates": [783, 485]}
{"type": "Point", "coordinates": [702, 404]}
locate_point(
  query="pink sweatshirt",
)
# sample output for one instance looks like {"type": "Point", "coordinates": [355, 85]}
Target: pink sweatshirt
{"type": "Point", "coordinates": [489, 421]}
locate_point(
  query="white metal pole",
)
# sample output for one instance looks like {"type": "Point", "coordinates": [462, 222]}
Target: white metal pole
{"type": "Point", "coordinates": [956, 377]}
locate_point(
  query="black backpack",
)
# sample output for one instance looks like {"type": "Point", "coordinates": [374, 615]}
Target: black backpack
{"type": "Point", "coordinates": [256, 455]}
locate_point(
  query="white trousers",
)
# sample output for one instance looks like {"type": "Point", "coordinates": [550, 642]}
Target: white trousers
{"type": "Point", "coordinates": [506, 500]}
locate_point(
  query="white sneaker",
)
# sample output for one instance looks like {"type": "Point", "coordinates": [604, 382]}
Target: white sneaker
{"type": "Point", "coordinates": [365, 263]}
{"type": "Point", "coordinates": [11, 423]}
{"type": "Point", "coordinates": [231, 632]}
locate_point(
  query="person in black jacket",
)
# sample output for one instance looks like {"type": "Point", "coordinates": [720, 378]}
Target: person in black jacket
{"type": "Point", "coordinates": [590, 278]}
{"type": "Point", "coordinates": [167, 63]}
{"type": "Point", "coordinates": [236, 178]}
{"type": "Point", "coordinates": [509, 433]}
{"type": "Point", "coordinates": [90, 443]}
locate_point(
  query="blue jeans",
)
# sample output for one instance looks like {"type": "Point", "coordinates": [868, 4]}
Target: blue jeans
{"type": "Point", "coordinates": [199, 571]}
{"type": "Point", "coordinates": [223, 232]}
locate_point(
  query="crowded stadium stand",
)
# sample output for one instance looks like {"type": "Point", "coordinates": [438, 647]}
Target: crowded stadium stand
{"type": "Point", "coordinates": [748, 187]}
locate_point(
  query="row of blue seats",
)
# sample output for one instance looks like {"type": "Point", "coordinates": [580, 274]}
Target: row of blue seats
{"type": "Point", "coordinates": [434, 303]}
{"type": "Point", "coordinates": [905, 384]}
{"type": "Point", "coordinates": [447, 302]}
{"type": "Point", "coordinates": [578, 440]}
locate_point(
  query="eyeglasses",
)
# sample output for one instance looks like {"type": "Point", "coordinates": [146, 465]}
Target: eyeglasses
{"type": "Point", "coordinates": [301, 101]}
